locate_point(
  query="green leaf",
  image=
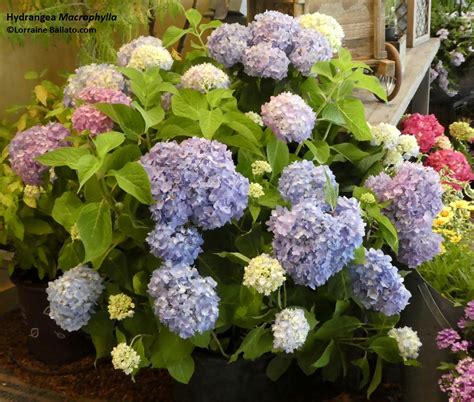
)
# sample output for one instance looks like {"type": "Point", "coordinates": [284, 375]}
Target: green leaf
{"type": "Point", "coordinates": [341, 306]}
{"type": "Point", "coordinates": [277, 367]}
{"type": "Point", "coordinates": [210, 121]}
{"type": "Point", "coordinates": [31, 75]}
{"type": "Point", "coordinates": [326, 356]}
{"type": "Point", "coordinates": [193, 16]}
{"type": "Point", "coordinates": [182, 108]}
{"type": "Point", "coordinates": [183, 370]}
{"type": "Point", "coordinates": [129, 120]}
{"type": "Point", "coordinates": [70, 255]}
{"type": "Point", "coordinates": [66, 209]}
{"type": "Point", "coordinates": [388, 230]}
{"type": "Point", "coordinates": [140, 283]}
{"type": "Point", "coordinates": [359, 256]}
{"type": "Point", "coordinates": [66, 156]}
{"type": "Point", "coordinates": [201, 340]}
{"type": "Point", "coordinates": [331, 192]}
{"type": "Point", "coordinates": [319, 149]}
{"type": "Point", "coordinates": [337, 327]}
{"type": "Point", "coordinates": [95, 229]}
{"type": "Point", "coordinates": [37, 226]}
{"type": "Point", "coordinates": [311, 318]}
{"type": "Point", "coordinates": [370, 83]}
{"type": "Point", "coordinates": [323, 68]}
{"type": "Point", "coordinates": [332, 113]}
{"type": "Point", "coordinates": [215, 96]}
{"type": "Point", "coordinates": [387, 348]}
{"type": "Point", "coordinates": [151, 117]}
{"type": "Point", "coordinates": [133, 179]}
{"type": "Point", "coordinates": [101, 330]}
{"type": "Point", "coordinates": [377, 378]}
{"type": "Point", "coordinates": [353, 113]}
{"type": "Point", "coordinates": [350, 151]}
{"type": "Point", "coordinates": [105, 142]}
{"type": "Point", "coordinates": [169, 349]}
{"type": "Point", "coordinates": [173, 34]}
{"type": "Point", "coordinates": [277, 155]}
{"type": "Point", "coordinates": [121, 156]}
{"type": "Point", "coordinates": [210, 25]}
{"type": "Point", "coordinates": [88, 165]}
{"type": "Point", "coordinates": [257, 342]}
{"type": "Point", "coordinates": [363, 364]}
{"type": "Point", "coordinates": [235, 257]}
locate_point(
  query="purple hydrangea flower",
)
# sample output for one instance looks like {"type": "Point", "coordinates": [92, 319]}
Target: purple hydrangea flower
{"type": "Point", "coordinates": [289, 117]}
{"type": "Point", "coordinates": [265, 61]}
{"type": "Point", "coordinates": [462, 386]}
{"type": "Point", "coordinates": [103, 95]}
{"type": "Point", "coordinates": [443, 33]}
{"type": "Point", "coordinates": [415, 199]}
{"type": "Point", "coordinates": [125, 52]}
{"type": "Point", "coordinates": [73, 296]}
{"type": "Point", "coordinates": [27, 145]}
{"type": "Point", "coordinates": [184, 301]}
{"type": "Point", "coordinates": [274, 28]}
{"type": "Point", "coordinates": [457, 58]}
{"type": "Point", "coordinates": [469, 311]}
{"type": "Point", "coordinates": [314, 243]}
{"type": "Point", "coordinates": [227, 43]}
{"type": "Point", "coordinates": [461, 346]}
{"type": "Point", "coordinates": [378, 285]}
{"type": "Point", "coordinates": [179, 245]}
{"type": "Point", "coordinates": [446, 338]}
{"type": "Point", "coordinates": [309, 48]}
{"type": "Point", "coordinates": [302, 180]}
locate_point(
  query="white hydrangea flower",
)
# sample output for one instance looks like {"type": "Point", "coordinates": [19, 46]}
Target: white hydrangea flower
{"type": "Point", "coordinates": [125, 358]}
{"type": "Point", "coordinates": [147, 56]}
{"type": "Point", "coordinates": [385, 134]}
{"type": "Point", "coordinates": [256, 190]}
{"type": "Point", "coordinates": [290, 329]}
{"type": "Point", "coordinates": [326, 26]}
{"type": "Point", "coordinates": [393, 158]}
{"type": "Point", "coordinates": [259, 168]}
{"type": "Point", "coordinates": [205, 77]}
{"type": "Point", "coordinates": [255, 117]}
{"type": "Point", "coordinates": [443, 142]}
{"type": "Point", "coordinates": [408, 342]}
{"type": "Point", "coordinates": [120, 307]}
{"type": "Point", "coordinates": [264, 274]}
{"type": "Point", "coordinates": [408, 146]}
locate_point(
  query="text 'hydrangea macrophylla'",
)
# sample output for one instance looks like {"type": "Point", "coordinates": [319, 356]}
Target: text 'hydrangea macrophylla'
{"type": "Point", "coordinates": [312, 242]}
{"type": "Point", "coordinates": [275, 28]}
{"type": "Point", "coordinates": [301, 180]}
{"type": "Point", "coordinates": [454, 163]}
{"type": "Point", "coordinates": [415, 199]}
{"type": "Point", "coordinates": [290, 329]}
{"type": "Point", "coordinates": [87, 117]}
{"type": "Point", "coordinates": [227, 43]}
{"type": "Point", "coordinates": [180, 245]}
{"type": "Point", "coordinates": [426, 129]}
{"type": "Point", "coordinates": [125, 358]}
{"type": "Point", "coordinates": [408, 342]}
{"type": "Point", "coordinates": [377, 284]}
{"type": "Point", "coordinates": [265, 61]}
{"type": "Point", "coordinates": [264, 274]}
{"type": "Point", "coordinates": [120, 306]}
{"type": "Point", "coordinates": [309, 48]}
{"type": "Point", "coordinates": [73, 296]}
{"type": "Point", "coordinates": [205, 77]}
{"type": "Point", "coordinates": [148, 56]}
{"type": "Point", "coordinates": [184, 301]}
{"type": "Point", "coordinates": [289, 117]}
{"type": "Point", "coordinates": [125, 52]}
{"type": "Point", "coordinates": [326, 25]}
{"type": "Point", "coordinates": [27, 145]}
{"type": "Point", "coordinates": [92, 76]}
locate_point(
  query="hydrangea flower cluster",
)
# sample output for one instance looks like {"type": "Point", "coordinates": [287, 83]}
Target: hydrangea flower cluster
{"type": "Point", "coordinates": [326, 25]}
{"type": "Point", "coordinates": [256, 190]}
{"type": "Point", "coordinates": [290, 329]}
{"type": "Point", "coordinates": [312, 242]}
{"type": "Point", "coordinates": [148, 56]}
{"type": "Point", "coordinates": [289, 117]}
{"type": "Point", "coordinates": [268, 45]}
{"type": "Point", "coordinates": [92, 76]}
{"type": "Point", "coordinates": [204, 77]}
{"type": "Point", "coordinates": [120, 306]}
{"type": "Point", "coordinates": [459, 386]}
{"type": "Point", "coordinates": [454, 162]}
{"type": "Point", "coordinates": [184, 301]}
{"type": "Point", "coordinates": [378, 285]}
{"type": "Point", "coordinates": [408, 342]}
{"type": "Point", "coordinates": [255, 117]}
{"type": "Point", "coordinates": [443, 142]}
{"type": "Point", "coordinates": [73, 296]}
{"type": "Point", "coordinates": [415, 193]}
{"type": "Point", "coordinates": [126, 51]}
{"type": "Point", "coordinates": [259, 168]}
{"type": "Point", "coordinates": [301, 181]}
{"type": "Point", "coordinates": [86, 117]}
{"type": "Point", "coordinates": [447, 339]}
{"type": "Point", "coordinates": [27, 145]}
{"type": "Point", "coordinates": [426, 129]}
{"type": "Point", "coordinates": [125, 358]}
{"type": "Point", "coordinates": [264, 274]}
{"type": "Point", "coordinates": [461, 131]}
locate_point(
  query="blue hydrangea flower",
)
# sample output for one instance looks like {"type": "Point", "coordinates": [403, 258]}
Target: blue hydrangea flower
{"type": "Point", "coordinates": [27, 145]}
{"type": "Point", "coordinates": [227, 43]}
{"type": "Point", "coordinates": [309, 48]}
{"type": "Point", "coordinates": [73, 296]}
{"type": "Point", "coordinates": [377, 285]}
{"type": "Point", "coordinates": [274, 28]}
{"type": "Point", "coordinates": [184, 301]}
{"type": "Point", "coordinates": [289, 117]}
{"type": "Point", "coordinates": [302, 180]}
{"type": "Point", "coordinates": [179, 245]}
{"type": "Point", "coordinates": [265, 61]}
{"type": "Point", "coordinates": [125, 52]}
{"type": "Point", "coordinates": [313, 243]}
{"type": "Point", "coordinates": [415, 195]}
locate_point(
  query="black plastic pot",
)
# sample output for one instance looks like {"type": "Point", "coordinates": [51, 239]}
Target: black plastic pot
{"type": "Point", "coordinates": [45, 340]}
{"type": "Point", "coordinates": [391, 33]}
{"type": "Point", "coordinates": [427, 313]}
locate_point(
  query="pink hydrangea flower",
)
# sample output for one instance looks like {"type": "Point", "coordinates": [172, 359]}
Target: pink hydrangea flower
{"type": "Point", "coordinates": [426, 129]}
{"type": "Point", "coordinates": [455, 162]}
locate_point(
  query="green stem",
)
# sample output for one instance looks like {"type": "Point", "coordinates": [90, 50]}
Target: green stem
{"type": "Point", "coordinates": [221, 349]}
{"type": "Point", "coordinates": [298, 149]}
{"type": "Point", "coordinates": [279, 298]}
{"type": "Point", "coordinates": [327, 131]}
{"type": "Point", "coordinates": [284, 295]}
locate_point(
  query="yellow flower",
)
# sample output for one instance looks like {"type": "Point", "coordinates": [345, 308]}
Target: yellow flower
{"type": "Point", "coordinates": [438, 222]}
{"type": "Point", "coordinates": [461, 204]}
{"type": "Point", "coordinates": [444, 216]}
{"type": "Point", "coordinates": [442, 248]}
{"type": "Point", "coordinates": [455, 239]}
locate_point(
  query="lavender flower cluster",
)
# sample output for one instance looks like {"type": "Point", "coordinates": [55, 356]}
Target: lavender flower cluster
{"type": "Point", "coordinates": [125, 52]}
{"type": "Point", "coordinates": [27, 145]}
{"type": "Point", "coordinates": [183, 300]}
{"type": "Point", "coordinates": [144, 52]}
{"type": "Point", "coordinates": [268, 45]}
{"type": "Point", "coordinates": [415, 199]}
{"type": "Point", "coordinates": [73, 296]}
{"type": "Point", "coordinates": [377, 284]}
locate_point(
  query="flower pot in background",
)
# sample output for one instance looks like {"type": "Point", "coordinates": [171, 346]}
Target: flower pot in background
{"type": "Point", "coordinates": [427, 313]}
{"type": "Point", "coordinates": [46, 341]}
